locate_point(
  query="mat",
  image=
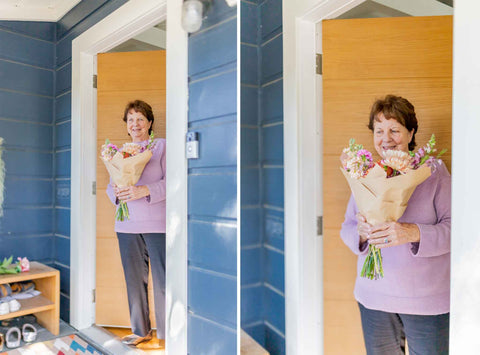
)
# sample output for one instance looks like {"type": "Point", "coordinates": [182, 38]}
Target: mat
{"type": "Point", "coordinates": [67, 345]}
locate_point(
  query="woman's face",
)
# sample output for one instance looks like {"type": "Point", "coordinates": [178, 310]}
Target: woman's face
{"type": "Point", "coordinates": [137, 126]}
{"type": "Point", "coordinates": [390, 134]}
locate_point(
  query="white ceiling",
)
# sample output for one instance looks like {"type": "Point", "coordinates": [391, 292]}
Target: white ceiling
{"type": "Point", "coordinates": [35, 10]}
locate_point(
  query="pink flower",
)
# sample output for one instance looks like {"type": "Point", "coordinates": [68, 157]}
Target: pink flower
{"type": "Point", "coordinates": [24, 264]}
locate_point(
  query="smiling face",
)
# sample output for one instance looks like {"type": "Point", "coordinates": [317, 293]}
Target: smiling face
{"type": "Point", "coordinates": [390, 134]}
{"type": "Point", "coordinates": [137, 126]}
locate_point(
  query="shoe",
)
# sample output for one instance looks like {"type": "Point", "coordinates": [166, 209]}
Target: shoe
{"type": "Point", "coordinates": [14, 305]}
{"type": "Point", "coordinates": [134, 339]}
{"type": "Point", "coordinates": [13, 337]}
{"type": "Point", "coordinates": [29, 333]}
{"type": "Point", "coordinates": [4, 308]}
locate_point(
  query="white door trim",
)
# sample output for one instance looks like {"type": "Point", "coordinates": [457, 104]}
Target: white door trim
{"type": "Point", "coordinates": [302, 131]}
{"type": "Point", "coordinates": [127, 21]}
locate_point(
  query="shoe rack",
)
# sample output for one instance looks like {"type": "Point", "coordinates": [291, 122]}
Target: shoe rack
{"type": "Point", "coordinates": [46, 306]}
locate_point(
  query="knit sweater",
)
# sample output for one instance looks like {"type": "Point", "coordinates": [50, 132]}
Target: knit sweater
{"type": "Point", "coordinates": [147, 214]}
{"type": "Point", "coordinates": [417, 275]}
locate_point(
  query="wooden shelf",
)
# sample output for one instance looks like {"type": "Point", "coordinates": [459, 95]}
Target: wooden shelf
{"type": "Point", "coordinates": [45, 306]}
{"type": "Point", "coordinates": [29, 306]}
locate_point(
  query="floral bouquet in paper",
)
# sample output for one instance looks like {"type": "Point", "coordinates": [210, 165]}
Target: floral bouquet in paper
{"type": "Point", "coordinates": [125, 166]}
{"type": "Point", "coordinates": [382, 190]}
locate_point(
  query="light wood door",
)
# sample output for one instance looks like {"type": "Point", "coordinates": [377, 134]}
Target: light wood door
{"type": "Point", "coordinates": [365, 59]}
{"type": "Point", "coordinates": [122, 77]}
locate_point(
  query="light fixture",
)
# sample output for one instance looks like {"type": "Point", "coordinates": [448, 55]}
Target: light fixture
{"type": "Point", "coordinates": [192, 14]}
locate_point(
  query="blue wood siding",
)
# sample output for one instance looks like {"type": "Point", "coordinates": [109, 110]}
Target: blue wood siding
{"type": "Point", "coordinates": [26, 124]}
{"type": "Point", "coordinates": [262, 196]}
{"type": "Point", "coordinates": [212, 185]}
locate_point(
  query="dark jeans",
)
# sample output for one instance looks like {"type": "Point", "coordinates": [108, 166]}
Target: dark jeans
{"type": "Point", "coordinates": [137, 250]}
{"type": "Point", "coordinates": [384, 333]}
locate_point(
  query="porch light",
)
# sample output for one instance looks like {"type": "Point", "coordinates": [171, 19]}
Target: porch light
{"type": "Point", "coordinates": [192, 14]}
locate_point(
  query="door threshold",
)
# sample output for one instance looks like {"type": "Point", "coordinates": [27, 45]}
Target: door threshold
{"type": "Point", "coordinates": [107, 342]}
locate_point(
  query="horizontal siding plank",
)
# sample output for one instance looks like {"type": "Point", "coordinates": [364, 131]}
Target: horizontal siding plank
{"type": "Point", "coordinates": [26, 79]}
{"type": "Point", "coordinates": [251, 265]}
{"type": "Point", "coordinates": [62, 250]}
{"type": "Point", "coordinates": [249, 65]}
{"type": "Point", "coordinates": [63, 82]}
{"type": "Point", "coordinates": [274, 269]}
{"type": "Point", "coordinates": [28, 163]}
{"type": "Point", "coordinates": [26, 135]}
{"type": "Point", "coordinates": [212, 48]}
{"type": "Point", "coordinates": [212, 296]}
{"type": "Point", "coordinates": [250, 226]}
{"type": "Point", "coordinates": [272, 102]}
{"type": "Point", "coordinates": [40, 221]}
{"type": "Point", "coordinates": [213, 97]}
{"type": "Point", "coordinates": [37, 29]}
{"type": "Point", "coordinates": [63, 135]}
{"type": "Point", "coordinates": [63, 163]}
{"type": "Point", "coordinates": [63, 107]}
{"type": "Point", "coordinates": [273, 228]}
{"type": "Point", "coordinates": [275, 309]}
{"type": "Point", "coordinates": [251, 304]}
{"type": "Point", "coordinates": [273, 187]}
{"type": "Point", "coordinates": [62, 221]}
{"type": "Point", "coordinates": [249, 147]}
{"type": "Point", "coordinates": [217, 145]}
{"type": "Point", "coordinates": [62, 193]}
{"type": "Point", "coordinates": [213, 246]}
{"type": "Point", "coordinates": [27, 192]}
{"type": "Point", "coordinates": [272, 137]}
{"type": "Point", "coordinates": [213, 195]}
{"type": "Point", "coordinates": [206, 337]}
{"type": "Point", "coordinates": [25, 107]}
{"type": "Point", "coordinates": [249, 106]}
{"type": "Point", "coordinates": [270, 17]}
{"type": "Point", "coordinates": [249, 25]}
{"type": "Point", "coordinates": [250, 186]}
{"type": "Point", "coordinates": [27, 50]}
{"type": "Point", "coordinates": [272, 59]}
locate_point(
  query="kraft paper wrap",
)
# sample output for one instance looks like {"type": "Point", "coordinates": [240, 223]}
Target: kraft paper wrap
{"type": "Point", "coordinates": [382, 200]}
{"type": "Point", "coordinates": [127, 172]}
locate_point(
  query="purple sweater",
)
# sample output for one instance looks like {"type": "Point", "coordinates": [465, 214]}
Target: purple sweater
{"type": "Point", "coordinates": [417, 275]}
{"type": "Point", "coordinates": [147, 215]}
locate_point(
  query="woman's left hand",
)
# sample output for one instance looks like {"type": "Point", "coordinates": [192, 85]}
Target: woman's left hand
{"type": "Point", "coordinates": [131, 193]}
{"type": "Point", "coordinates": [393, 233]}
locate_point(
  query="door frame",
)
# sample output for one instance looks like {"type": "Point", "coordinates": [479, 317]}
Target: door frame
{"type": "Point", "coordinates": [303, 159]}
{"type": "Point", "coordinates": [127, 21]}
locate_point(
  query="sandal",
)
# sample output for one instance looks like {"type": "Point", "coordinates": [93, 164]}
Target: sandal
{"type": "Point", "coordinates": [2, 341]}
{"type": "Point", "coordinates": [13, 337]}
{"type": "Point", "coordinates": [29, 333]}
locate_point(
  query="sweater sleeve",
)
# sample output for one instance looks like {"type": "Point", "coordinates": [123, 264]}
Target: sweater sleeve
{"type": "Point", "coordinates": [110, 193]}
{"type": "Point", "coordinates": [158, 189]}
{"type": "Point", "coordinates": [435, 239]}
{"type": "Point", "coordinates": [349, 233]}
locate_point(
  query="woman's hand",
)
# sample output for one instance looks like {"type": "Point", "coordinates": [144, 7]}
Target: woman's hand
{"type": "Point", "coordinates": [393, 233]}
{"type": "Point", "coordinates": [363, 228]}
{"type": "Point", "coordinates": [131, 193]}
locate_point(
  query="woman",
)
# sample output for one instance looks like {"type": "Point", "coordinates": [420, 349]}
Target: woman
{"type": "Point", "coordinates": [412, 300]}
{"type": "Point", "coordinates": [142, 237]}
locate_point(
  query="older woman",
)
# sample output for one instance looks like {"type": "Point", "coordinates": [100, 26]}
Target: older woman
{"type": "Point", "coordinates": [142, 237]}
{"type": "Point", "coordinates": [412, 300]}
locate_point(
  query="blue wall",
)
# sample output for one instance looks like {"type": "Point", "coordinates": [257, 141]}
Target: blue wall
{"type": "Point", "coordinates": [212, 185]}
{"type": "Point", "coordinates": [26, 123]}
{"type": "Point", "coordinates": [263, 287]}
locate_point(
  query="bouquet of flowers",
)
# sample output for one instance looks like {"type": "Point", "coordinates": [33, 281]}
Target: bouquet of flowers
{"type": "Point", "coordinates": [382, 190]}
{"type": "Point", "coordinates": [125, 166]}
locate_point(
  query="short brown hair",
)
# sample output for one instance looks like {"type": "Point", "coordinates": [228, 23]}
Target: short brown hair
{"type": "Point", "coordinates": [142, 107]}
{"type": "Point", "coordinates": [398, 108]}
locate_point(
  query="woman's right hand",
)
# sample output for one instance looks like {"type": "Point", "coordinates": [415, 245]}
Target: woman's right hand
{"type": "Point", "coordinates": [363, 228]}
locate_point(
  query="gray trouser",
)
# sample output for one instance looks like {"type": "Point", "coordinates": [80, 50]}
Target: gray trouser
{"type": "Point", "coordinates": [136, 250]}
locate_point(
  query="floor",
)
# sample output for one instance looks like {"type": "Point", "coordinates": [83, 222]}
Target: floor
{"type": "Point", "coordinates": [152, 347]}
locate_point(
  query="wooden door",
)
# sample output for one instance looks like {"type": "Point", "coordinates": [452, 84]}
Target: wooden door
{"type": "Point", "coordinates": [365, 59]}
{"type": "Point", "coordinates": [122, 77]}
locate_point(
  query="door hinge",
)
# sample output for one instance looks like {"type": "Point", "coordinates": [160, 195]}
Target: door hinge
{"type": "Point", "coordinates": [94, 295]}
{"type": "Point", "coordinates": [319, 69]}
{"type": "Point", "coordinates": [94, 81]}
{"type": "Point", "coordinates": [319, 225]}
{"type": "Point", "coordinates": [94, 187]}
